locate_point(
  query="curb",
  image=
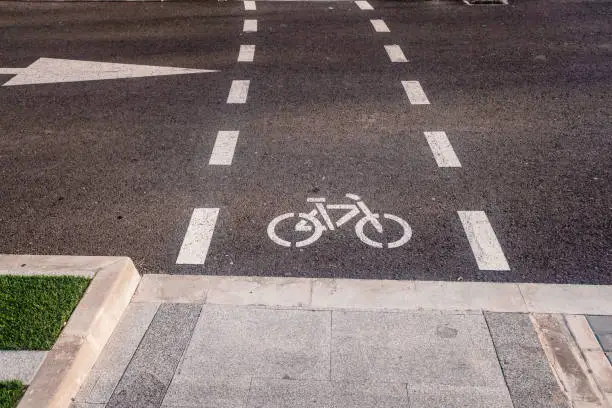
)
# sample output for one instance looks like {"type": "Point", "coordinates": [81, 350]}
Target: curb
{"type": "Point", "coordinates": [378, 295]}
{"type": "Point", "coordinates": [91, 324]}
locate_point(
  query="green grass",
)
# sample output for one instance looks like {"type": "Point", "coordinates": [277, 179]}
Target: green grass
{"type": "Point", "coordinates": [33, 309]}
{"type": "Point", "coordinates": [10, 393]}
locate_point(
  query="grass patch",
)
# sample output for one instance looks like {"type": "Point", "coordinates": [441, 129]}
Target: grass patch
{"type": "Point", "coordinates": [10, 393]}
{"type": "Point", "coordinates": [33, 309]}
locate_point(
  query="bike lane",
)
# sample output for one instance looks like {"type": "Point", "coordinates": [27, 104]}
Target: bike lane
{"type": "Point", "coordinates": [327, 115]}
{"type": "Point", "coordinates": [331, 114]}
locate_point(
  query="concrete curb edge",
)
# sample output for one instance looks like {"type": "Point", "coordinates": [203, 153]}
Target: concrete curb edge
{"type": "Point", "coordinates": [378, 295]}
{"type": "Point", "coordinates": [68, 363]}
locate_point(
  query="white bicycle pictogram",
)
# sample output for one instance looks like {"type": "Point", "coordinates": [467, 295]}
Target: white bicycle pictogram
{"type": "Point", "coordinates": [308, 222]}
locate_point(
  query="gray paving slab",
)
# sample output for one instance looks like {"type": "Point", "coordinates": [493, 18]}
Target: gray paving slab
{"type": "Point", "coordinates": [445, 396]}
{"type": "Point", "coordinates": [273, 393]}
{"type": "Point", "coordinates": [195, 391]}
{"type": "Point", "coordinates": [106, 373]}
{"type": "Point", "coordinates": [606, 341]}
{"type": "Point", "coordinates": [150, 371]}
{"type": "Point", "coordinates": [527, 372]}
{"type": "Point", "coordinates": [609, 356]}
{"type": "Point", "coordinates": [233, 341]}
{"type": "Point", "coordinates": [20, 364]}
{"type": "Point", "coordinates": [600, 324]}
{"type": "Point", "coordinates": [414, 348]}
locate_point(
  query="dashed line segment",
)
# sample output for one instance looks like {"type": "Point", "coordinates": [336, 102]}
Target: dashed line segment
{"type": "Point", "coordinates": [223, 150]}
{"type": "Point", "coordinates": [415, 93]}
{"type": "Point", "coordinates": [380, 26]}
{"type": "Point", "coordinates": [198, 236]}
{"type": "Point", "coordinates": [246, 53]}
{"type": "Point", "coordinates": [485, 246]}
{"type": "Point", "coordinates": [442, 149]}
{"type": "Point", "coordinates": [250, 26]}
{"type": "Point", "coordinates": [238, 91]}
{"type": "Point", "coordinates": [395, 53]}
{"type": "Point", "coordinates": [364, 5]}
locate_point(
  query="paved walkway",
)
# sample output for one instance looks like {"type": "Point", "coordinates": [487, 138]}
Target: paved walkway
{"type": "Point", "coordinates": [176, 348]}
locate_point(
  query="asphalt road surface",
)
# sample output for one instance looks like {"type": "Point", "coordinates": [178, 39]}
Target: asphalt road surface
{"type": "Point", "coordinates": [514, 182]}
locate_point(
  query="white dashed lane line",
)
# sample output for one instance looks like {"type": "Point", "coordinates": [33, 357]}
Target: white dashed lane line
{"type": "Point", "coordinates": [395, 53]}
{"type": "Point", "coordinates": [364, 5]}
{"type": "Point", "coordinates": [198, 236]}
{"type": "Point", "coordinates": [380, 26]}
{"type": "Point", "coordinates": [442, 150]}
{"type": "Point", "coordinates": [250, 26]}
{"type": "Point", "coordinates": [247, 53]}
{"type": "Point", "coordinates": [250, 5]}
{"type": "Point", "coordinates": [415, 93]}
{"type": "Point", "coordinates": [239, 91]}
{"type": "Point", "coordinates": [487, 250]}
{"type": "Point", "coordinates": [223, 151]}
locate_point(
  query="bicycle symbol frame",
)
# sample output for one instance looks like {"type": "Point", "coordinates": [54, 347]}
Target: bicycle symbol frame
{"type": "Point", "coordinates": [309, 222]}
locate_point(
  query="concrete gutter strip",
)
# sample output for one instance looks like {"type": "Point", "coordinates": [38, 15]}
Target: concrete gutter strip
{"type": "Point", "coordinates": [583, 378]}
{"type": "Point", "coordinates": [76, 350]}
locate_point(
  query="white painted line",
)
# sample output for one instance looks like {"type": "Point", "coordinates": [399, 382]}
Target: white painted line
{"type": "Point", "coordinates": [442, 150]}
{"type": "Point", "coordinates": [52, 70]}
{"type": "Point", "coordinates": [250, 26]}
{"type": "Point", "coordinates": [503, 2]}
{"type": "Point", "coordinates": [415, 93]}
{"type": "Point", "coordinates": [250, 5]}
{"type": "Point", "coordinates": [395, 53]}
{"type": "Point", "coordinates": [11, 71]}
{"type": "Point", "coordinates": [238, 91]}
{"type": "Point", "coordinates": [487, 251]}
{"type": "Point", "coordinates": [380, 26]}
{"type": "Point", "coordinates": [247, 53]}
{"type": "Point", "coordinates": [364, 5]}
{"type": "Point", "coordinates": [198, 236]}
{"type": "Point", "coordinates": [223, 151]}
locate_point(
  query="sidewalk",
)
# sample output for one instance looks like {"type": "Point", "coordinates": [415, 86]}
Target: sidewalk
{"type": "Point", "coordinates": [197, 341]}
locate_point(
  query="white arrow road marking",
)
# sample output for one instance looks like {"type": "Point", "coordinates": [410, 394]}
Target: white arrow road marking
{"type": "Point", "coordinates": [395, 53]}
{"type": "Point", "coordinates": [380, 26]}
{"type": "Point", "coordinates": [250, 26]}
{"type": "Point", "coordinates": [11, 71]}
{"type": "Point", "coordinates": [364, 5]}
{"type": "Point", "coordinates": [249, 5]}
{"type": "Point", "coordinates": [51, 70]}
{"type": "Point", "coordinates": [238, 91]}
{"type": "Point", "coordinates": [415, 93]}
{"type": "Point", "coordinates": [442, 150]}
{"type": "Point", "coordinates": [223, 151]}
{"type": "Point", "coordinates": [485, 246]}
{"type": "Point", "coordinates": [247, 53]}
{"type": "Point", "coordinates": [198, 236]}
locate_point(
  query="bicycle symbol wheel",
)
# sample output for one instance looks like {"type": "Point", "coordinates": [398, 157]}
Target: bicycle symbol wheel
{"type": "Point", "coordinates": [317, 229]}
{"type": "Point", "coordinates": [407, 231]}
